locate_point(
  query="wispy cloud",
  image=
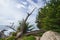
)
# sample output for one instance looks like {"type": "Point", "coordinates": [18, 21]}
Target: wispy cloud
{"type": "Point", "coordinates": [9, 12]}
{"type": "Point", "coordinates": [18, 5]}
{"type": "Point", "coordinates": [34, 4]}
{"type": "Point", "coordinates": [25, 3]}
{"type": "Point", "coordinates": [15, 10]}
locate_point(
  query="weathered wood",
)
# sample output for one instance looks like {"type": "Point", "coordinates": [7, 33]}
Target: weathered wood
{"type": "Point", "coordinates": [29, 15]}
{"type": "Point", "coordinates": [23, 25]}
{"type": "Point", "coordinates": [34, 32]}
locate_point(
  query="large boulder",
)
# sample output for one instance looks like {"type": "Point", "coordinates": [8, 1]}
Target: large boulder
{"type": "Point", "coordinates": [50, 35]}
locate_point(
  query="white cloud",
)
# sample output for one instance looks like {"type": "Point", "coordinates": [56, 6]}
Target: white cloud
{"type": "Point", "coordinates": [34, 4]}
{"type": "Point", "coordinates": [10, 13]}
{"type": "Point", "coordinates": [2, 2]}
{"type": "Point", "coordinates": [5, 21]}
{"type": "Point", "coordinates": [25, 3]}
{"type": "Point", "coordinates": [37, 5]}
{"type": "Point", "coordinates": [18, 5]}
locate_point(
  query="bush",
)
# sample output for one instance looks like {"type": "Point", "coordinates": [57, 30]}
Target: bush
{"type": "Point", "coordinates": [29, 38]}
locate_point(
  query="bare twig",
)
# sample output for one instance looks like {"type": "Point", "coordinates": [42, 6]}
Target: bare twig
{"type": "Point", "coordinates": [11, 26]}
{"type": "Point", "coordinates": [29, 14]}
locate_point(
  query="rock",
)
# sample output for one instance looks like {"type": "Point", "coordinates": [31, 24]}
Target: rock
{"type": "Point", "coordinates": [50, 35]}
{"type": "Point", "coordinates": [37, 37]}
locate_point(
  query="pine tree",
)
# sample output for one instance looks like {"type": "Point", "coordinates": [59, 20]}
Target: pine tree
{"type": "Point", "coordinates": [48, 17]}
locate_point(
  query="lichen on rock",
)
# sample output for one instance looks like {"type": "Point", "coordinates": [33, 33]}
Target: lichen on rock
{"type": "Point", "coordinates": [50, 35]}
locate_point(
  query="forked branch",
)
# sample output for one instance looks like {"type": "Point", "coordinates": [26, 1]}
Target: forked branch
{"type": "Point", "coordinates": [11, 26]}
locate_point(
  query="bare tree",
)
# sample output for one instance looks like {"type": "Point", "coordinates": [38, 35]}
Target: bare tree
{"type": "Point", "coordinates": [23, 25]}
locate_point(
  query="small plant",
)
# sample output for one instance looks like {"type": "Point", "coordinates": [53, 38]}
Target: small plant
{"type": "Point", "coordinates": [29, 38]}
{"type": "Point", "coordinates": [11, 38]}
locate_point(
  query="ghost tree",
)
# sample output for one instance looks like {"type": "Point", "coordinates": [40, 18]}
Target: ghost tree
{"type": "Point", "coordinates": [23, 26]}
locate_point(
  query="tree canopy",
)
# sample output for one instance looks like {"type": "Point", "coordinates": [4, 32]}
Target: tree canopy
{"type": "Point", "coordinates": [48, 17]}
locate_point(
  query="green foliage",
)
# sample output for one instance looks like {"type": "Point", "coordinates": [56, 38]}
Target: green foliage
{"type": "Point", "coordinates": [29, 38]}
{"type": "Point", "coordinates": [48, 17]}
{"type": "Point", "coordinates": [11, 38]}
{"type": "Point", "coordinates": [26, 27]}
{"type": "Point", "coordinates": [2, 38]}
{"type": "Point", "coordinates": [14, 33]}
{"type": "Point", "coordinates": [40, 34]}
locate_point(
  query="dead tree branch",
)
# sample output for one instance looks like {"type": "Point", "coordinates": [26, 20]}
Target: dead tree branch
{"type": "Point", "coordinates": [11, 26]}
{"type": "Point", "coordinates": [29, 15]}
{"type": "Point", "coordinates": [23, 25]}
{"type": "Point", "coordinates": [34, 32]}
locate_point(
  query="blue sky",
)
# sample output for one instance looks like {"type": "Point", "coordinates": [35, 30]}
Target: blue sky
{"type": "Point", "coordinates": [15, 10]}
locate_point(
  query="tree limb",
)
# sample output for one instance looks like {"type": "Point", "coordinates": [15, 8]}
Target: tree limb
{"type": "Point", "coordinates": [11, 26]}
{"type": "Point", "coordinates": [29, 14]}
{"type": "Point", "coordinates": [34, 32]}
{"type": "Point", "coordinates": [23, 26]}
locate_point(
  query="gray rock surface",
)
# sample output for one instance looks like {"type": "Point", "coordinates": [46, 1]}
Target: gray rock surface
{"type": "Point", "coordinates": [50, 35]}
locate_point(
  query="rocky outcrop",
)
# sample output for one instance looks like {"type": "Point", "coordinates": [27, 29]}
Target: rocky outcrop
{"type": "Point", "coordinates": [50, 35]}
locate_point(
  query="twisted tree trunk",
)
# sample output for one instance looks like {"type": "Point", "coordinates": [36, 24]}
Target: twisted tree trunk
{"type": "Point", "coordinates": [23, 26]}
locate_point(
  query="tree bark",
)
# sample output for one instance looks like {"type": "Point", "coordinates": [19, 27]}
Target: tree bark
{"type": "Point", "coordinates": [34, 32]}
{"type": "Point", "coordinates": [22, 25]}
